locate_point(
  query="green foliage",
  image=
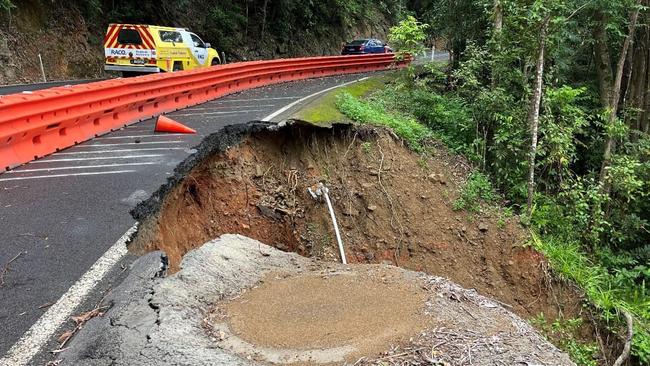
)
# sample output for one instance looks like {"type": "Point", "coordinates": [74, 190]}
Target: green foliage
{"type": "Point", "coordinates": [607, 289]}
{"type": "Point", "coordinates": [407, 37]}
{"type": "Point", "coordinates": [564, 333]}
{"type": "Point", "coordinates": [458, 22]}
{"type": "Point", "coordinates": [476, 192]}
{"type": "Point", "coordinates": [363, 111]}
{"type": "Point", "coordinates": [6, 5]}
{"type": "Point", "coordinates": [265, 27]}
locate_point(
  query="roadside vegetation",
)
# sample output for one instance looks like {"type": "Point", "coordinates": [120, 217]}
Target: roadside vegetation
{"type": "Point", "coordinates": [324, 111]}
{"type": "Point", "coordinates": [566, 147]}
{"type": "Point", "coordinates": [243, 29]}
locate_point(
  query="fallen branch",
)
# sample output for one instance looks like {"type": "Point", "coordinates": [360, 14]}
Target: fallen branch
{"type": "Point", "coordinates": [5, 269]}
{"type": "Point", "coordinates": [80, 320]}
{"type": "Point", "coordinates": [628, 341]}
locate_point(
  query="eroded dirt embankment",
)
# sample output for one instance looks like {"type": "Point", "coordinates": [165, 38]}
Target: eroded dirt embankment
{"type": "Point", "coordinates": [392, 205]}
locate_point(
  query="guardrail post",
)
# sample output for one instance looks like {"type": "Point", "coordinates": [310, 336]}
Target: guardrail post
{"type": "Point", "coordinates": [40, 61]}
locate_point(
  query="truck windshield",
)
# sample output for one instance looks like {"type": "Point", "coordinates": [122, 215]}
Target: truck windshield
{"type": "Point", "coordinates": [129, 36]}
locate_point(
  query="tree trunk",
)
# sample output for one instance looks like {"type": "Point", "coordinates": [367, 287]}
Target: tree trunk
{"type": "Point", "coordinates": [637, 84]}
{"type": "Point", "coordinates": [264, 11]}
{"type": "Point", "coordinates": [498, 27]}
{"type": "Point", "coordinates": [616, 95]}
{"type": "Point", "coordinates": [498, 16]}
{"type": "Point", "coordinates": [603, 60]}
{"type": "Point", "coordinates": [533, 113]}
{"type": "Point", "coordinates": [645, 98]}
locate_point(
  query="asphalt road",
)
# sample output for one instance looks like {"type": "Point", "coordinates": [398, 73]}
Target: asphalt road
{"type": "Point", "coordinates": [59, 214]}
{"type": "Point", "coordinates": [19, 88]}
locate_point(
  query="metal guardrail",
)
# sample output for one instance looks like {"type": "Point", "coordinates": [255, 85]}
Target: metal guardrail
{"type": "Point", "coordinates": [36, 124]}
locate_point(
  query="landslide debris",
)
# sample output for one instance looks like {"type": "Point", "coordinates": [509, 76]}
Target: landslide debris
{"type": "Point", "coordinates": [393, 206]}
{"type": "Point", "coordinates": [202, 315]}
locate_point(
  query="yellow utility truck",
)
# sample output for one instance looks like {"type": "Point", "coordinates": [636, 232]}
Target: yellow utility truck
{"type": "Point", "coordinates": [135, 49]}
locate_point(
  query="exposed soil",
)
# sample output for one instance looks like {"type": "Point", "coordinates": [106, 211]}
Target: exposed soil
{"type": "Point", "coordinates": [59, 33]}
{"type": "Point", "coordinates": [345, 313]}
{"type": "Point", "coordinates": [327, 310]}
{"type": "Point", "coordinates": [393, 206]}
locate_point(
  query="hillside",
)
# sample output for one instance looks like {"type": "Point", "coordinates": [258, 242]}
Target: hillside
{"type": "Point", "coordinates": [69, 34]}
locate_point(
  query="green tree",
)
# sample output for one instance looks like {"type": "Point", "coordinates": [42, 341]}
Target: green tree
{"type": "Point", "coordinates": [408, 36]}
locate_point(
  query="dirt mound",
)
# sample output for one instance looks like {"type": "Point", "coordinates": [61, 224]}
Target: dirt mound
{"type": "Point", "coordinates": [329, 309]}
{"type": "Point", "coordinates": [393, 207]}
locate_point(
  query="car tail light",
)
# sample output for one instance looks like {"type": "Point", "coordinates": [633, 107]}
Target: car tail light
{"type": "Point", "coordinates": [110, 59]}
{"type": "Point", "coordinates": [151, 61]}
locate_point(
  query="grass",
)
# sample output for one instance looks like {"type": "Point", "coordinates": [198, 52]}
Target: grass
{"type": "Point", "coordinates": [369, 112]}
{"type": "Point", "coordinates": [323, 110]}
{"type": "Point", "coordinates": [602, 288]}
{"type": "Point", "coordinates": [477, 190]}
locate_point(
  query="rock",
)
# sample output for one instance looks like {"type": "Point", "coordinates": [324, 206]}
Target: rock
{"type": "Point", "coordinates": [463, 229]}
{"type": "Point", "coordinates": [483, 227]}
{"type": "Point", "coordinates": [258, 171]}
{"type": "Point", "coordinates": [366, 185]}
{"type": "Point", "coordinates": [245, 226]}
{"type": "Point", "coordinates": [269, 212]}
{"type": "Point", "coordinates": [351, 212]}
{"type": "Point", "coordinates": [372, 208]}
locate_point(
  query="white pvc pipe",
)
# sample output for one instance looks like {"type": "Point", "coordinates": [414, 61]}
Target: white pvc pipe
{"type": "Point", "coordinates": [336, 226]}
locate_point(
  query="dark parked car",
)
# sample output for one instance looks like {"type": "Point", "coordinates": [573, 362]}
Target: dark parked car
{"type": "Point", "coordinates": [363, 46]}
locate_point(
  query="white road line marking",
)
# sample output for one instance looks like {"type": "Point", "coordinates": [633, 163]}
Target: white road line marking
{"type": "Point", "coordinates": [97, 158]}
{"type": "Point", "coordinates": [120, 150]}
{"type": "Point", "coordinates": [44, 329]}
{"type": "Point", "coordinates": [288, 106]}
{"type": "Point", "coordinates": [133, 143]}
{"type": "Point", "coordinates": [78, 167]}
{"type": "Point", "coordinates": [216, 113]}
{"type": "Point", "coordinates": [229, 107]}
{"type": "Point", "coordinates": [68, 175]}
{"type": "Point", "coordinates": [144, 128]}
{"type": "Point", "coordinates": [257, 99]}
{"type": "Point", "coordinates": [138, 136]}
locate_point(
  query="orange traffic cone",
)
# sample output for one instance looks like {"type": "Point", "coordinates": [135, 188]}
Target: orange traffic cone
{"type": "Point", "coordinates": [166, 124]}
